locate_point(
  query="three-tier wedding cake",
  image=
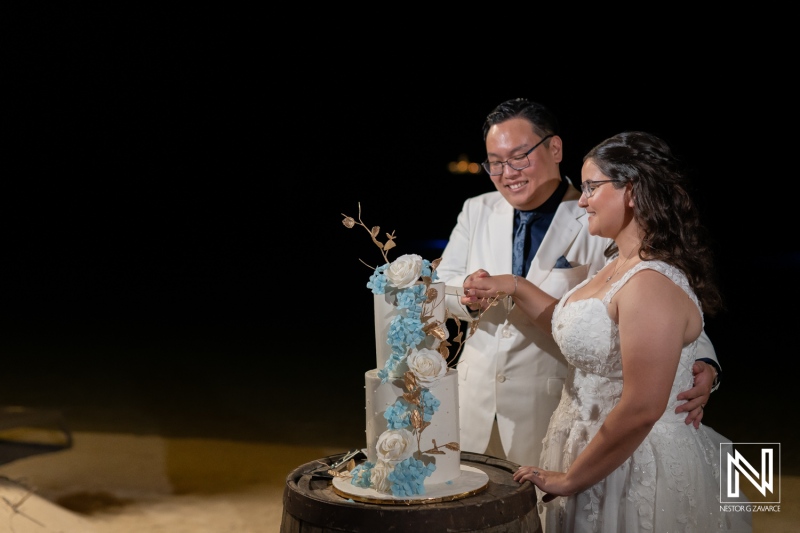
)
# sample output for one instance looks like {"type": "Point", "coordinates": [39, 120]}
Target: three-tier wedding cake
{"type": "Point", "coordinates": [411, 397]}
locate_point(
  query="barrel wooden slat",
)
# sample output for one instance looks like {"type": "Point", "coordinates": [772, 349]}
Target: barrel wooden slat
{"type": "Point", "coordinates": [311, 506]}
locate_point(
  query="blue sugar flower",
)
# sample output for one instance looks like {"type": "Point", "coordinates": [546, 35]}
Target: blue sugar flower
{"type": "Point", "coordinates": [430, 405]}
{"type": "Point", "coordinates": [414, 333]}
{"type": "Point", "coordinates": [383, 373]}
{"type": "Point", "coordinates": [398, 416]}
{"type": "Point", "coordinates": [377, 281]}
{"type": "Point", "coordinates": [409, 476]}
{"type": "Point", "coordinates": [426, 270]}
{"type": "Point", "coordinates": [411, 299]}
{"type": "Point", "coordinates": [397, 356]}
{"type": "Point", "coordinates": [415, 311]}
{"type": "Point", "coordinates": [421, 292]}
{"type": "Point", "coordinates": [361, 475]}
{"type": "Point", "coordinates": [396, 334]}
{"type": "Point", "coordinates": [404, 333]}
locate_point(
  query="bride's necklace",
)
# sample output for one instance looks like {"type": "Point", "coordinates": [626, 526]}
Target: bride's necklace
{"type": "Point", "coordinates": [619, 266]}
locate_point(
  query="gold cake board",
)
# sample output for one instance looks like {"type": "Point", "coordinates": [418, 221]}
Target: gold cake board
{"type": "Point", "coordinates": [471, 481]}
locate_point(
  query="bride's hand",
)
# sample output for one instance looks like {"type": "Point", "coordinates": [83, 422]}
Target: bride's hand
{"type": "Point", "coordinates": [484, 286]}
{"type": "Point", "coordinates": [547, 481]}
{"type": "Point", "coordinates": [470, 298]}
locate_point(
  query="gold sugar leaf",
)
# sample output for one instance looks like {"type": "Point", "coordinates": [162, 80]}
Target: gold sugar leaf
{"type": "Point", "coordinates": [349, 222]}
{"type": "Point", "coordinates": [431, 294]}
{"type": "Point", "coordinates": [389, 245]}
{"type": "Point", "coordinates": [443, 350]}
{"type": "Point", "coordinates": [413, 392]}
{"type": "Point", "coordinates": [435, 263]}
{"type": "Point", "coordinates": [457, 338]}
{"type": "Point", "coordinates": [412, 397]}
{"type": "Point", "coordinates": [437, 331]}
{"type": "Point", "coordinates": [450, 316]}
{"type": "Point", "coordinates": [436, 451]}
{"type": "Point", "coordinates": [416, 419]}
{"type": "Point", "coordinates": [375, 230]}
{"type": "Point", "coordinates": [410, 380]}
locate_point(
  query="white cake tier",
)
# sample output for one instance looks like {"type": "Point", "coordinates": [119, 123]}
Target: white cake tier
{"type": "Point", "coordinates": [444, 427]}
{"type": "Point", "coordinates": [385, 311]}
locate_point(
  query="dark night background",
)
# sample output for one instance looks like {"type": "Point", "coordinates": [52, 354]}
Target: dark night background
{"type": "Point", "coordinates": [173, 254]}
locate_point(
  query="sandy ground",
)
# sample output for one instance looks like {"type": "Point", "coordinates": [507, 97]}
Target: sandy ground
{"type": "Point", "coordinates": [110, 483]}
{"type": "Point", "coordinates": [114, 483]}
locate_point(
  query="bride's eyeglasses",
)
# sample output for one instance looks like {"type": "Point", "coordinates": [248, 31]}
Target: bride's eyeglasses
{"type": "Point", "coordinates": [588, 187]}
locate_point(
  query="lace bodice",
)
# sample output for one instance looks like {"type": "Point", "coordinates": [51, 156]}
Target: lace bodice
{"type": "Point", "coordinates": [589, 338]}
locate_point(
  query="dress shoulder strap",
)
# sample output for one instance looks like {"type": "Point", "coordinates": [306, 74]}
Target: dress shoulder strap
{"type": "Point", "coordinates": [676, 275]}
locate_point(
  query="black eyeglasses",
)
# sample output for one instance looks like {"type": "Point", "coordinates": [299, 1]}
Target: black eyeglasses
{"type": "Point", "coordinates": [588, 187]}
{"type": "Point", "coordinates": [518, 162]}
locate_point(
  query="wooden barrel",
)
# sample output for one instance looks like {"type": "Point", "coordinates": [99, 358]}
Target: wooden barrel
{"type": "Point", "coordinates": [311, 506]}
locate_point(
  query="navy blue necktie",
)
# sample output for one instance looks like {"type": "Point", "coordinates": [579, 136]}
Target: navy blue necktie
{"type": "Point", "coordinates": [520, 236]}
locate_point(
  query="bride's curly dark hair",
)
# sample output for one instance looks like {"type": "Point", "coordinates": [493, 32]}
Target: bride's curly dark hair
{"type": "Point", "coordinates": [673, 232]}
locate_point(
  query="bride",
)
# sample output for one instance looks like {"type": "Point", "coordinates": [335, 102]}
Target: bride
{"type": "Point", "coordinates": [616, 456]}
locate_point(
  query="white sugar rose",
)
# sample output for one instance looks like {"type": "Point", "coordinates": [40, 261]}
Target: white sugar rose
{"type": "Point", "coordinates": [395, 445]}
{"type": "Point", "coordinates": [428, 366]}
{"type": "Point", "coordinates": [379, 477]}
{"type": "Point", "coordinates": [404, 271]}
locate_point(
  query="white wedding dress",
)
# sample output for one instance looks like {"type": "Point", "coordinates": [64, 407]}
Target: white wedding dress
{"type": "Point", "coordinates": [671, 482]}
